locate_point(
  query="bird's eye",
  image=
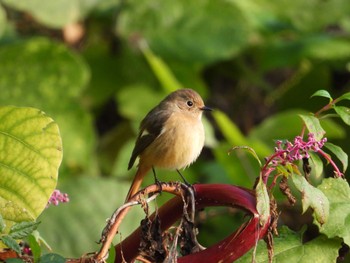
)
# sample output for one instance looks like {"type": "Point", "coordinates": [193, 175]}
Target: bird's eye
{"type": "Point", "coordinates": [189, 103]}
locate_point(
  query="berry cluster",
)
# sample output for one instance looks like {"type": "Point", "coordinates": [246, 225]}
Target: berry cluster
{"type": "Point", "coordinates": [57, 197]}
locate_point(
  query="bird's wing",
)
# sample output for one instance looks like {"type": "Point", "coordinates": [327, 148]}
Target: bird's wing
{"type": "Point", "coordinates": [150, 128]}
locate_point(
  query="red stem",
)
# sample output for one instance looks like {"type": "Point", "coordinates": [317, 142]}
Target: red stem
{"type": "Point", "coordinates": [227, 250]}
{"type": "Point", "coordinates": [266, 172]}
{"type": "Point", "coordinates": [329, 159]}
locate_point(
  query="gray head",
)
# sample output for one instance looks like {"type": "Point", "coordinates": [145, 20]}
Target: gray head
{"type": "Point", "coordinates": [186, 100]}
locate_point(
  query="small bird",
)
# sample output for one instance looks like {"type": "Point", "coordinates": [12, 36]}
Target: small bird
{"type": "Point", "coordinates": [171, 135]}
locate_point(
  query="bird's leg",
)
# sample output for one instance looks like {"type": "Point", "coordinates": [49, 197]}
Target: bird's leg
{"type": "Point", "coordinates": [156, 181]}
{"type": "Point", "coordinates": [183, 178]}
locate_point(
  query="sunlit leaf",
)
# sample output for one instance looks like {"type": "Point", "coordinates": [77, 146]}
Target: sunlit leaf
{"type": "Point", "coordinates": [288, 246]}
{"type": "Point", "coordinates": [312, 197]}
{"type": "Point", "coordinates": [339, 152]}
{"type": "Point", "coordinates": [313, 125]}
{"type": "Point", "coordinates": [161, 70]}
{"type": "Point", "coordinates": [2, 21]}
{"type": "Point", "coordinates": [338, 193]}
{"type": "Point", "coordinates": [36, 234]}
{"type": "Point", "coordinates": [282, 169]}
{"type": "Point", "coordinates": [345, 96]}
{"type": "Point", "coordinates": [34, 246]}
{"type": "Point", "coordinates": [326, 47]}
{"type": "Point", "coordinates": [229, 129]}
{"type": "Point", "coordinates": [322, 93]}
{"type": "Point", "coordinates": [262, 202]}
{"type": "Point", "coordinates": [55, 14]}
{"type": "Point", "coordinates": [49, 76]}
{"type": "Point", "coordinates": [344, 113]}
{"type": "Point", "coordinates": [30, 154]}
{"type": "Point", "coordinates": [2, 224]}
{"type": "Point", "coordinates": [248, 149]}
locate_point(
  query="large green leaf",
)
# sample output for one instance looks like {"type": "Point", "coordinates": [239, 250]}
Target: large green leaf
{"type": "Point", "coordinates": [55, 14]}
{"type": "Point", "coordinates": [312, 197]}
{"type": "Point", "coordinates": [50, 77]}
{"type": "Point", "coordinates": [288, 247]}
{"type": "Point", "coordinates": [193, 31]}
{"type": "Point", "coordinates": [163, 73]}
{"type": "Point", "coordinates": [30, 154]}
{"type": "Point", "coordinates": [338, 194]}
{"type": "Point", "coordinates": [46, 72]}
{"type": "Point", "coordinates": [311, 15]}
{"type": "Point", "coordinates": [2, 21]}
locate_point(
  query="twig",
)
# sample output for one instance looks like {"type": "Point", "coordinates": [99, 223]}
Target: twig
{"type": "Point", "coordinates": [113, 224]}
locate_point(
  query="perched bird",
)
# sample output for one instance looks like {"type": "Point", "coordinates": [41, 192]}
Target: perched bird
{"type": "Point", "coordinates": [171, 135]}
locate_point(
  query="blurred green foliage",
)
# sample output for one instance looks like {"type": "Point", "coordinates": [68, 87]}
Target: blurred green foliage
{"type": "Point", "coordinates": [97, 67]}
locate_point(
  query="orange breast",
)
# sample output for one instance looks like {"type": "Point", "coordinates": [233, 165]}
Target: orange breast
{"type": "Point", "coordinates": [178, 145]}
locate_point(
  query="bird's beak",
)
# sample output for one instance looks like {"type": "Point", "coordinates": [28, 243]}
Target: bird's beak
{"type": "Point", "coordinates": [205, 108]}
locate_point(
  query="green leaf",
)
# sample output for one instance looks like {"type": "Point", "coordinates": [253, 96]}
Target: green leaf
{"type": "Point", "coordinates": [316, 165]}
{"type": "Point", "coordinates": [31, 152]}
{"type": "Point", "coordinates": [61, 75]}
{"type": "Point", "coordinates": [229, 129]}
{"type": "Point", "coordinates": [23, 229]}
{"type": "Point", "coordinates": [345, 96]}
{"type": "Point", "coordinates": [322, 93]}
{"type": "Point", "coordinates": [42, 242]}
{"type": "Point", "coordinates": [235, 137]}
{"type": "Point", "coordinates": [339, 152]}
{"type": "Point", "coordinates": [270, 129]}
{"type": "Point", "coordinates": [312, 197]}
{"type": "Point", "coordinates": [111, 254]}
{"type": "Point", "coordinates": [161, 70]}
{"type": "Point", "coordinates": [55, 14]}
{"type": "Point", "coordinates": [248, 149]}
{"type": "Point", "coordinates": [180, 30]}
{"type": "Point", "coordinates": [135, 101]}
{"type": "Point", "coordinates": [325, 47]}
{"type": "Point", "coordinates": [14, 260]}
{"type": "Point", "coordinates": [11, 243]}
{"type": "Point", "coordinates": [288, 247]}
{"type": "Point", "coordinates": [52, 258]}
{"type": "Point", "coordinates": [2, 224]}
{"type": "Point", "coordinates": [50, 77]}
{"type": "Point", "coordinates": [2, 21]}
{"type": "Point", "coordinates": [338, 193]}
{"type": "Point", "coordinates": [35, 247]}
{"type": "Point", "coordinates": [344, 113]}
{"type": "Point", "coordinates": [313, 125]}
{"type": "Point", "coordinates": [262, 202]}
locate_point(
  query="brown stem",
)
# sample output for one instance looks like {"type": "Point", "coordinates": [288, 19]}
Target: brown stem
{"type": "Point", "coordinates": [113, 225]}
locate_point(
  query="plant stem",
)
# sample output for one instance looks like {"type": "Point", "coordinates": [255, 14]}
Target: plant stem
{"type": "Point", "coordinates": [329, 159]}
